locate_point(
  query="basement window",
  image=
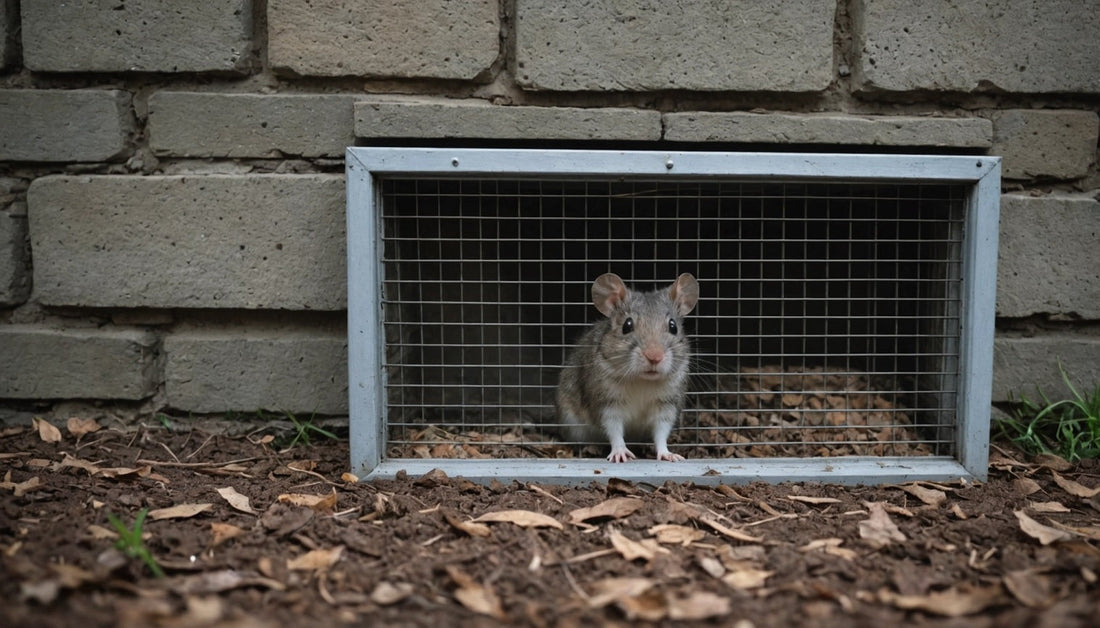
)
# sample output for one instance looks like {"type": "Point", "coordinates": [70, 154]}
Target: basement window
{"type": "Point", "coordinates": [843, 331]}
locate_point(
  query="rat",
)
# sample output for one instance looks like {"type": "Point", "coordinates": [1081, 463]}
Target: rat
{"type": "Point", "coordinates": [628, 373]}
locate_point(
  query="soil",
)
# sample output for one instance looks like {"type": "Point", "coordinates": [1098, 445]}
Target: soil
{"type": "Point", "coordinates": [298, 540]}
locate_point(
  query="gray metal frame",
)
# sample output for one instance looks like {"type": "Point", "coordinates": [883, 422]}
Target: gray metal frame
{"type": "Point", "coordinates": [366, 385]}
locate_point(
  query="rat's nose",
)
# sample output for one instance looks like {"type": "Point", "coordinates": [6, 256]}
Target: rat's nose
{"type": "Point", "coordinates": [654, 355]}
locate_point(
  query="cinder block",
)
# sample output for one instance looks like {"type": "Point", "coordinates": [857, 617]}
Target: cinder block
{"type": "Point", "coordinates": [1038, 143]}
{"type": "Point", "coordinates": [448, 39]}
{"type": "Point", "coordinates": [640, 45]}
{"type": "Point", "coordinates": [1020, 365]}
{"type": "Point", "coordinates": [64, 125]}
{"type": "Point", "coordinates": [218, 371]}
{"type": "Point", "coordinates": [215, 241]}
{"type": "Point", "coordinates": [146, 36]}
{"type": "Point", "coordinates": [203, 124]}
{"type": "Point", "coordinates": [1026, 46]}
{"type": "Point", "coordinates": [41, 363]}
{"type": "Point", "coordinates": [9, 20]}
{"type": "Point", "coordinates": [782, 128]}
{"type": "Point", "coordinates": [15, 280]}
{"type": "Point", "coordinates": [478, 119]}
{"type": "Point", "coordinates": [1049, 261]}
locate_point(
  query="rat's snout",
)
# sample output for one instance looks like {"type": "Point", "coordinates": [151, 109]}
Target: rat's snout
{"type": "Point", "coordinates": [654, 355]}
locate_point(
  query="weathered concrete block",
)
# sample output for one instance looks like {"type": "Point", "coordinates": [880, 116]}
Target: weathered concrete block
{"type": "Point", "coordinates": [1049, 261]}
{"type": "Point", "coordinates": [456, 39]}
{"type": "Point", "coordinates": [217, 371]}
{"type": "Point", "coordinates": [703, 126]}
{"type": "Point", "coordinates": [64, 125]}
{"type": "Point", "coordinates": [222, 241]}
{"type": "Point", "coordinates": [41, 363]}
{"type": "Point", "coordinates": [478, 119]}
{"type": "Point", "coordinates": [1039, 143]}
{"type": "Point", "coordinates": [1022, 364]}
{"type": "Point", "coordinates": [1029, 46]}
{"type": "Point", "coordinates": [15, 280]}
{"type": "Point", "coordinates": [639, 45]}
{"type": "Point", "coordinates": [202, 124]}
{"type": "Point", "coordinates": [147, 36]}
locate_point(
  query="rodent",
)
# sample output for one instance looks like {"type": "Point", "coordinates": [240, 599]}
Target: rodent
{"type": "Point", "coordinates": [628, 373]}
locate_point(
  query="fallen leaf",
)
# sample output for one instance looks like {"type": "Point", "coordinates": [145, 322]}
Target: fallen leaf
{"type": "Point", "coordinates": [20, 489]}
{"type": "Point", "coordinates": [522, 518]}
{"type": "Point", "coordinates": [320, 503]}
{"type": "Point", "coordinates": [387, 594]}
{"type": "Point", "coordinates": [475, 596]}
{"type": "Point", "coordinates": [1073, 488]}
{"type": "Point", "coordinates": [958, 511]}
{"type": "Point", "coordinates": [349, 478]}
{"type": "Point", "coordinates": [43, 592]}
{"type": "Point", "coordinates": [646, 549]}
{"type": "Point", "coordinates": [1030, 588]}
{"type": "Point", "coordinates": [806, 499]}
{"type": "Point", "coordinates": [469, 527]}
{"type": "Point", "coordinates": [1052, 462]}
{"type": "Point", "coordinates": [318, 559]}
{"type": "Point", "coordinates": [78, 427]}
{"type": "Point", "coordinates": [236, 500]}
{"type": "Point", "coordinates": [698, 606]}
{"type": "Point", "coordinates": [99, 532]}
{"type": "Point", "coordinates": [878, 529]}
{"type": "Point", "coordinates": [219, 581]}
{"type": "Point", "coordinates": [930, 496]}
{"type": "Point", "coordinates": [649, 606]}
{"type": "Point", "coordinates": [614, 508]}
{"type": "Point", "coordinates": [46, 431]}
{"type": "Point", "coordinates": [1026, 486]}
{"type": "Point", "coordinates": [179, 511]}
{"type": "Point", "coordinates": [712, 566]}
{"type": "Point", "coordinates": [830, 546]}
{"type": "Point", "coordinates": [609, 590]}
{"type": "Point", "coordinates": [1047, 507]}
{"type": "Point", "coordinates": [950, 603]}
{"type": "Point", "coordinates": [1044, 534]}
{"type": "Point", "coordinates": [222, 532]}
{"type": "Point", "coordinates": [747, 578]}
{"type": "Point", "coordinates": [672, 534]}
{"type": "Point", "coordinates": [1089, 532]}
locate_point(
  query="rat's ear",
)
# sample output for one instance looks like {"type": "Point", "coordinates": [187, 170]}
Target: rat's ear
{"type": "Point", "coordinates": [608, 293]}
{"type": "Point", "coordinates": [684, 293]}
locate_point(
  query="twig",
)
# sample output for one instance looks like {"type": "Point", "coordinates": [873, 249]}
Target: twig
{"type": "Point", "coordinates": [200, 446]}
{"type": "Point", "coordinates": [573, 583]}
{"type": "Point", "coordinates": [193, 465]}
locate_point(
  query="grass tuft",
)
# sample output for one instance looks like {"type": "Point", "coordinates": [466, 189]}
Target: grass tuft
{"type": "Point", "coordinates": [1069, 428]}
{"type": "Point", "coordinates": [130, 542]}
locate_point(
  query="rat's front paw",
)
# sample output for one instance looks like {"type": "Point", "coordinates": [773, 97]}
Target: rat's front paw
{"type": "Point", "coordinates": [620, 454]}
{"type": "Point", "coordinates": [669, 456]}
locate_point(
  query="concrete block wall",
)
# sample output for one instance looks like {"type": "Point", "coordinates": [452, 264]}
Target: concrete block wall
{"type": "Point", "coordinates": [171, 174]}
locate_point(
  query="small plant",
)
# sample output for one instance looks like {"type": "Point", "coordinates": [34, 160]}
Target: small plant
{"type": "Point", "coordinates": [304, 429]}
{"type": "Point", "coordinates": [130, 542]}
{"type": "Point", "coordinates": [1069, 428]}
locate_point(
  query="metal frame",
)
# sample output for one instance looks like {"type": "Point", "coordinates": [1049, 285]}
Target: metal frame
{"type": "Point", "coordinates": [981, 175]}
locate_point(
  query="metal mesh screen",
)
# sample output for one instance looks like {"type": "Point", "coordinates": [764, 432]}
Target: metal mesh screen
{"type": "Point", "coordinates": [828, 322]}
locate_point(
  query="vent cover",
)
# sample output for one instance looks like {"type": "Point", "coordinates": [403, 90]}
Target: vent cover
{"type": "Point", "coordinates": [843, 332]}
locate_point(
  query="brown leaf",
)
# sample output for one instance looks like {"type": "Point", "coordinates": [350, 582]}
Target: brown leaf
{"type": "Point", "coordinates": [474, 596]}
{"type": "Point", "coordinates": [387, 594]}
{"type": "Point", "coordinates": [1052, 462]}
{"type": "Point", "coordinates": [698, 606]}
{"type": "Point", "coordinates": [649, 606]}
{"type": "Point", "coordinates": [672, 534]}
{"type": "Point", "coordinates": [349, 478]}
{"type": "Point", "coordinates": [320, 503]}
{"type": "Point", "coordinates": [78, 427]}
{"type": "Point", "coordinates": [806, 499]}
{"type": "Point", "coordinates": [316, 560]}
{"type": "Point", "coordinates": [950, 603]}
{"type": "Point", "coordinates": [69, 461]}
{"type": "Point", "coordinates": [46, 431]}
{"type": "Point", "coordinates": [469, 527]}
{"type": "Point", "coordinates": [20, 489]}
{"type": "Point", "coordinates": [830, 546]}
{"type": "Point", "coordinates": [236, 500]}
{"type": "Point", "coordinates": [1029, 587]}
{"type": "Point", "coordinates": [646, 549]}
{"type": "Point", "coordinates": [179, 511]}
{"type": "Point", "coordinates": [522, 518]}
{"type": "Point", "coordinates": [614, 508]}
{"type": "Point", "coordinates": [610, 590]}
{"type": "Point", "coordinates": [878, 529]}
{"type": "Point", "coordinates": [930, 496]}
{"type": "Point", "coordinates": [1047, 507]}
{"type": "Point", "coordinates": [747, 578]}
{"type": "Point", "coordinates": [1073, 488]}
{"type": "Point", "coordinates": [219, 581]}
{"type": "Point", "coordinates": [1026, 486]}
{"type": "Point", "coordinates": [222, 532]}
{"type": "Point", "coordinates": [1044, 534]}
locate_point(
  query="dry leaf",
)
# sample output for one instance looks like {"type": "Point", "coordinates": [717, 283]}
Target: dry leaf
{"type": "Point", "coordinates": [387, 594]}
{"type": "Point", "coordinates": [1047, 507]}
{"type": "Point", "coordinates": [236, 500]}
{"type": "Point", "coordinates": [79, 427]}
{"type": "Point", "coordinates": [320, 503]}
{"type": "Point", "coordinates": [99, 532]}
{"type": "Point", "coordinates": [1089, 532]}
{"type": "Point", "coordinates": [474, 596]}
{"type": "Point", "coordinates": [316, 559]}
{"type": "Point", "coordinates": [830, 546]}
{"type": "Point", "coordinates": [1052, 462]}
{"type": "Point", "coordinates": [1026, 486]}
{"type": "Point", "coordinates": [813, 500]}
{"type": "Point", "coordinates": [220, 581]}
{"type": "Point", "coordinates": [930, 496]}
{"type": "Point", "coordinates": [958, 511]}
{"type": "Point", "coordinates": [469, 527]}
{"type": "Point", "coordinates": [1073, 488]}
{"type": "Point", "coordinates": [46, 431]}
{"type": "Point", "coordinates": [712, 566]}
{"type": "Point", "coordinates": [610, 590]}
{"type": "Point", "coordinates": [1029, 587]}
{"type": "Point", "coordinates": [349, 478]}
{"type": "Point", "coordinates": [522, 518]}
{"type": "Point", "coordinates": [950, 603]}
{"type": "Point", "coordinates": [20, 489]}
{"type": "Point", "coordinates": [649, 606]}
{"type": "Point", "coordinates": [179, 511]}
{"type": "Point", "coordinates": [1044, 534]}
{"type": "Point", "coordinates": [630, 549]}
{"type": "Point", "coordinates": [747, 578]}
{"type": "Point", "coordinates": [614, 508]}
{"type": "Point", "coordinates": [672, 534]}
{"type": "Point", "coordinates": [222, 532]}
{"type": "Point", "coordinates": [878, 529]}
{"type": "Point", "coordinates": [698, 606]}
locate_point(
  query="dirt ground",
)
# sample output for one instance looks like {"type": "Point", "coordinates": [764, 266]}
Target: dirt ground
{"type": "Point", "coordinates": [251, 536]}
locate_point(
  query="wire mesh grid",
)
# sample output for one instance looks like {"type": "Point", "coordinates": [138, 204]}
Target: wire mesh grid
{"type": "Point", "coordinates": [828, 322]}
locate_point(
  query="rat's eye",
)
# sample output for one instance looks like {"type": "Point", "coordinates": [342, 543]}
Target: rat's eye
{"type": "Point", "coordinates": [672, 327]}
{"type": "Point", "coordinates": [628, 326]}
